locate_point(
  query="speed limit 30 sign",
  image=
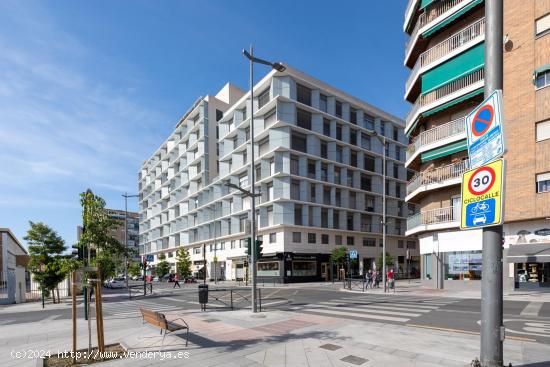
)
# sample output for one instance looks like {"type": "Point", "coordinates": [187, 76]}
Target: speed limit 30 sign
{"type": "Point", "coordinates": [482, 195]}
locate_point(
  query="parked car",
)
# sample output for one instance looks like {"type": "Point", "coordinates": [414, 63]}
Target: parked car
{"type": "Point", "coordinates": [155, 279]}
{"type": "Point", "coordinates": [118, 282]}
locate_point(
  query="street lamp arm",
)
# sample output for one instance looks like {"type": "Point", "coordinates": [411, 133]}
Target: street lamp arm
{"type": "Point", "coordinates": [248, 193]}
{"type": "Point", "coordinates": [275, 65]}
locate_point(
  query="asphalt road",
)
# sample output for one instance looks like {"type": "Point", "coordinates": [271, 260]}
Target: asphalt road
{"type": "Point", "coordinates": [523, 320]}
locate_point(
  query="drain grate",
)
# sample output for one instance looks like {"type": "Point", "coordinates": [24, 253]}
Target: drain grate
{"type": "Point", "coordinates": [210, 320]}
{"type": "Point", "coordinates": [330, 346]}
{"type": "Point", "coordinates": [354, 360]}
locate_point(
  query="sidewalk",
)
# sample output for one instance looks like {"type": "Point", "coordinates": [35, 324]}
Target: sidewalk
{"type": "Point", "coordinates": [275, 338]}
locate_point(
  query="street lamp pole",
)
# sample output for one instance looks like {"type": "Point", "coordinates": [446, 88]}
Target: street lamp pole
{"type": "Point", "coordinates": [126, 196]}
{"type": "Point", "coordinates": [278, 67]}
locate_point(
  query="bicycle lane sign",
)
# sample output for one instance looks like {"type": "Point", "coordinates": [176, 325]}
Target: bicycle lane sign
{"type": "Point", "coordinates": [482, 196]}
{"type": "Point", "coordinates": [485, 132]}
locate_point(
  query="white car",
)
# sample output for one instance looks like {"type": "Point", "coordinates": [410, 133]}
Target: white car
{"type": "Point", "coordinates": [118, 282]}
{"type": "Point", "coordinates": [481, 219]}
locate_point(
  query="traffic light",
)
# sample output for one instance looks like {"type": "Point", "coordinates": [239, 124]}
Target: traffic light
{"type": "Point", "coordinates": [248, 250]}
{"type": "Point", "coordinates": [259, 248]}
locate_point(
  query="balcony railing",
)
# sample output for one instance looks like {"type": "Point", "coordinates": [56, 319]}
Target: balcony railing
{"type": "Point", "coordinates": [447, 89]}
{"type": "Point", "coordinates": [437, 175]}
{"type": "Point", "coordinates": [436, 134]}
{"type": "Point", "coordinates": [430, 14]}
{"type": "Point", "coordinates": [447, 46]}
{"type": "Point", "coordinates": [434, 216]}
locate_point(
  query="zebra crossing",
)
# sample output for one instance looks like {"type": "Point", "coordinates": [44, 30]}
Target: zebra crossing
{"type": "Point", "coordinates": [376, 308]}
{"type": "Point", "coordinates": [131, 308]}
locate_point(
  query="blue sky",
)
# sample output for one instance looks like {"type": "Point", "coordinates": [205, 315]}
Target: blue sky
{"type": "Point", "coordinates": [89, 89]}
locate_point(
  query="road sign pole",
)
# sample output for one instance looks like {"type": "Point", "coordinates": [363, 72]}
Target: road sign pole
{"type": "Point", "coordinates": [492, 328]}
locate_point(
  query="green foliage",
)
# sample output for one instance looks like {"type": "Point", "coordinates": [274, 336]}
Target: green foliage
{"type": "Point", "coordinates": [162, 267]}
{"type": "Point", "coordinates": [339, 255]}
{"type": "Point", "coordinates": [134, 269]}
{"type": "Point", "coordinates": [47, 262]}
{"type": "Point", "coordinates": [183, 263]}
{"type": "Point", "coordinates": [389, 261]}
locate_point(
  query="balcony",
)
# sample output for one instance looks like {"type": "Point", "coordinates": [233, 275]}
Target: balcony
{"type": "Point", "coordinates": [433, 15]}
{"type": "Point", "coordinates": [445, 50]}
{"type": "Point", "coordinates": [432, 220]}
{"type": "Point", "coordinates": [435, 179]}
{"type": "Point", "coordinates": [444, 94]}
{"type": "Point", "coordinates": [435, 137]}
{"type": "Point", "coordinates": [409, 12]}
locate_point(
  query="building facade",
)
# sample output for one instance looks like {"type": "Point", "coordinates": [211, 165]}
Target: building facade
{"type": "Point", "coordinates": [13, 262]}
{"type": "Point", "coordinates": [446, 55]}
{"type": "Point", "coordinates": [132, 241]}
{"type": "Point", "coordinates": [318, 170]}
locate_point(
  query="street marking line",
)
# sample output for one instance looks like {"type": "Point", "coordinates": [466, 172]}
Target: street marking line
{"type": "Point", "coordinates": [275, 303]}
{"type": "Point", "coordinates": [520, 338]}
{"type": "Point", "coordinates": [381, 303]}
{"type": "Point", "coordinates": [381, 306]}
{"type": "Point", "coordinates": [175, 299]}
{"type": "Point", "coordinates": [354, 309]}
{"type": "Point", "coordinates": [532, 309]}
{"type": "Point", "coordinates": [322, 311]}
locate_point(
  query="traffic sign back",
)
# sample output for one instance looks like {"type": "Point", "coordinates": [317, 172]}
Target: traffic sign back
{"type": "Point", "coordinates": [352, 254]}
{"type": "Point", "coordinates": [482, 193]}
{"type": "Point", "coordinates": [484, 131]}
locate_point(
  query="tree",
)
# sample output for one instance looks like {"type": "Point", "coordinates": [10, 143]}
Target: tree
{"type": "Point", "coordinates": [134, 269]}
{"type": "Point", "coordinates": [389, 261]}
{"type": "Point", "coordinates": [183, 263]}
{"type": "Point", "coordinates": [339, 257]}
{"type": "Point", "coordinates": [163, 267]}
{"type": "Point", "coordinates": [97, 234]}
{"type": "Point", "coordinates": [47, 262]}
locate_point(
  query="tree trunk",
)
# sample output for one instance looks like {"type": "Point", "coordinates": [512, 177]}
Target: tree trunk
{"type": "Point", "coordinates": [58, 299]}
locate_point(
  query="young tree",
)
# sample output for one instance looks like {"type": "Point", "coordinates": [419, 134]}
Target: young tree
{"type": "Point", "coordinates": [47, 262]}
{"type": "Point", "coordinates": [389, 262]}
{"type": "Point", "coordinates": [183, 263]}
{"type": "Point", "coordinates": [97, 234]}
{"type": "Point", "coordinates": [339, 257]}
{"type": "Point", "coordinates": [163, 267]}
{"type": "Point", "coordinates": [134, 269]}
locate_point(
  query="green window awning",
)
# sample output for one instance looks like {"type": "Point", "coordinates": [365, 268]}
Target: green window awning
{"type": "Point", "coordinates": [541, 70]}
{"type": "Point", "coordinates": [444, 151]}
{"type": "Point", "coordinates": [451, 18]}
{"type": "Point", "coordinates": [425, 3]}
{"type": "Point", "coordinates": [463, 64]}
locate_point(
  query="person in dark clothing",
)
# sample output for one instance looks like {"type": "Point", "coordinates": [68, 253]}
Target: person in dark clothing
{"type": "Point", "coordinates": [177, 281]}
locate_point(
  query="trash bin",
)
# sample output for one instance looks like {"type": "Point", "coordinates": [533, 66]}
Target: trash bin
{"type": "Point", "coordinates": [203, 293]}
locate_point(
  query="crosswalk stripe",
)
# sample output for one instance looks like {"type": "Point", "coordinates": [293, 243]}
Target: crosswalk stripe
{"type": "Point", "coordinates": [385, 307]}
{"type": "Point", "coordinates": [383, 303]}
{"type": "Point", "coordinates": [433, 304]}
{"type": "Point", "coordinates": [356, 315]}
{"type": "Point", "coordinates": [371, 311]}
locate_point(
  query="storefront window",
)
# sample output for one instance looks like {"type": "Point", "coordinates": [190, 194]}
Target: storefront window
{"type": "Point", "coordinates": [268, 269]}
{"type": "Point", "coordinates": [304, 268]}
{"type": "Point", "coordinates": [463, 265]}
{"type": "Point", "coordinates": [427, 272]}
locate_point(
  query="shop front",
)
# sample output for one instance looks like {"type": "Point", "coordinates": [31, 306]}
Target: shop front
{"type": "Point", "coordinates": [291, 267]}
{"type": "Point", "coordinates": [531, 266]}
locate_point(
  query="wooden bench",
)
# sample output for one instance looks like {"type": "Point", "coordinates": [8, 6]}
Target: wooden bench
{"type": "Point", "coordinates": [158, 320]}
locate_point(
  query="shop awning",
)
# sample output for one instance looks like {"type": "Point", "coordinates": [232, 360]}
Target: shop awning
{"type": "Point", "coordinates": [539, 71]}
{"type": "Point", "coordinates": [444, 151]}
{"type": "Point", "coordinates": [526, 253]}
{"type": "Point", "coordinates": [457, 67]}
{"type": "Point", "coordinates": [451, 18]}
{"type": "Point", "coordinates": [425, 3]}
{"type": "Point", "coordinates": [453, 102]}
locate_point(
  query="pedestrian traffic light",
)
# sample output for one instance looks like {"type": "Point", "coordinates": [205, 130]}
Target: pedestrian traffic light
{"type": "Point", "coordinates": [258, 248]}
{"type": "Point", "coordinates": [248, 250]}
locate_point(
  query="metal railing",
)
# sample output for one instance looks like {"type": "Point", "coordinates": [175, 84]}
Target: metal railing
{"type": "Point", "coordinates": [431, 13]}
{"type": "Point", "coordinates": [434, 216]}
{"type": "Point", "coordinates": [437, 175]}
{"type": "Point", "coordinates": [447, 89]}
{"type": "Point", "coordinates": [437, 133]}
{"type": "Point", "coordinates": [445, 47]}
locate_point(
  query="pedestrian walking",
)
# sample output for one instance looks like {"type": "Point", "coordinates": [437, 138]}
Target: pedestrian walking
{"type": "Point", "coordinates": [177, 281]}
{"type": "Point", "coordinates": [377, 279]}
{"type": "Point", "coordinates": [391, 280]}
{"type": "Point", "coordinates": [369, 279]}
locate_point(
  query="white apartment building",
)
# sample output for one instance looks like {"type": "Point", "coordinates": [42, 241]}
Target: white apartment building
{"type": "Point", "coordinates": [318, 169]}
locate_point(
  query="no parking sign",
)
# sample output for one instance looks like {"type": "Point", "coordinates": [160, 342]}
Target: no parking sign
{"type": "Point", "coordinates": [484, 131]}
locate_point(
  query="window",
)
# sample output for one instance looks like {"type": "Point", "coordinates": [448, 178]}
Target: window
{"type": "Point", "coordinates": [311, 169]}
{"type": "Point", "coordinates": [543, 79]}
{"type": "Point", "coordinates": [399, 243]}
{"type": "Point", "coordinates": [543, 182]}
{"type": "Point", "coordinates": [542, 25]}
{"type": "Point", "coordinates": [311, 238]}
{"type": "Point", "coordinates": [397, 190]}
{"type": "Point", "coordinates": [353, 137]}
{"type": "Point", "coordinates": [353, 115]}
{"type": "Point", "coordinates": [270, 191]}
{"type": "Point", "coordinates": [324, 150]}
{"type": "Point", "coordinates": [326, 127]}
{"type": "Point", "coordinates": [263, 99]}
{"type": "Point", "coordinates": [338, 240]}
{"type": "Point", "coordinates": [324, 239]}
{"type": "Point", "coordinates": [313, 193]}
{"type": "Point", "coordinates": [463, 265]}
{"type": "Point", "coordinates": [268, 269]}
{"type": "Point", "coordinates": [395, 171]}
{"type": "Point", "coordinates": [304, 268]}
{"type": "Point", "coordinates": [337, 175]}
{"type": "Point", "coordinates": [243, 180]}
{"type": "Point", "coordinates": [298, 215]}
{"type": "Point", "coordinates": [353, 158]}
{"type": "Point", "coordinates": [411, 245]}
{"type": "Point", "coordinates": [294, 165]}
{"type": "Point", "coordinates": [365, 141]}
{"type": "Point", "coordinates": [243, 112]}
{"type": "Point", "coordinates": [170, 254]}
{"type": "Point", "coordinates": [303, 119]}
{"type": "Point", "coordinates": [272, 237]}
{"type": "Point", "coordinates": [369, 122]}
{"type": "Point", "coordinates": [395, 133]}
{"type": "Point", "coordinates": [382, 128]}
{"type": "Point", "coordinates": [324, 172]}
{"type": "Point", "coordinates": [323, 103]}
{"type": "Point", "coordinates": [270, 118]}
{"type": "Point", "coordinates": [369, 163]}
{"type": "Point", "coordinates": [299, 142]}
{"type": "Point", "coordinates": [369, 242]}
{"type": "Point", "coordinates": [350, 241]}
{"type": "Point", "coordinates": [303, 94]}
{"type": "Point", "coordinates": [295, 190]}
{"type": "Point", "coordinates": [235, 142]}
{"type": "Point", "coordinates": [339, 109]}
{"type": "Point", "coordinates": [369, 204]}
{"type": "Point", "coordinates": [338, 132]}
{"type": "Point", "coordinates": [245, 156]}
{"type": "Point", "coordinates": [270, 216]}
{"type": "Point", "coordinates": [196, 250]}
{"type": "Point", "coordinates": [427, 266]}
{"type": "Point", "coordinates": [543, 130]}
{"type": "Point", "coordinates": [339, 157]}
{"type": "Point", "coordinates": [296, 237]}
{"type": "Point", "coordinates": [247, 133]}
{"type": "Point", "coordinates": [232, 244]}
